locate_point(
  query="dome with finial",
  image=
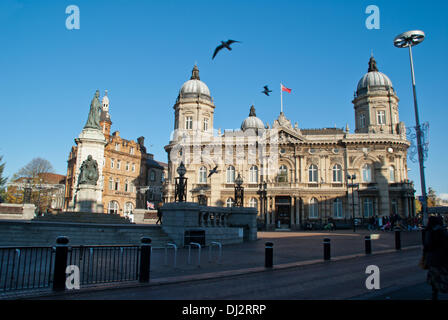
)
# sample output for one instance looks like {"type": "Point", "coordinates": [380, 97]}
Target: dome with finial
{"type": "Point", "coordinates": [252, 122]}
{"type": "Point", "coordinates": [194, 87]}
{"type": "Point", "coordinates": [373, 78]}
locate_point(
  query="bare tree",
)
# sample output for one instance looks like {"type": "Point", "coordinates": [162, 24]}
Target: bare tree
{"type": "Point", "coordinates": [34, 168]}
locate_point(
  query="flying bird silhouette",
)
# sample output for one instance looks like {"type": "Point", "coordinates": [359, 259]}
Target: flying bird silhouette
{"type": "Point", "coordinates": [222, 46]}
{"type": "Point", "coordinates": [213, 171]}
{"type": "Point", "coordinates": [266, 90]}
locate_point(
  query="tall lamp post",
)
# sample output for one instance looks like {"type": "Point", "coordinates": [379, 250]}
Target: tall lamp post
{"type": "Point", "coordinates": [353, 185]}
{"type": "Point", "coordinates": [409, 39]}
{"type": "Point", "coordinates": [262, 191]}
{"type": "Point", "coordinates": [239, 192]}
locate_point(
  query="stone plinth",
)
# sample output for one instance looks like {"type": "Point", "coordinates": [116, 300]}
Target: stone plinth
{"type": "Point", "coordinates": [225, 225]}
{"type": "Point", "coordinates": [17, 211]}
{"type": "Point", "coordinates": [88, 199]}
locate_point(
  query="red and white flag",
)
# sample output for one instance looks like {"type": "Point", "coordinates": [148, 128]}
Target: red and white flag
{"type": "Point", "coordinates": [285, 89]}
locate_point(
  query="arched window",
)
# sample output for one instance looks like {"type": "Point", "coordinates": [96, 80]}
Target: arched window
{"type": "Point", "coordinates": [231, 174]}
{"type": "Point", "coordinates": [283, 173]}
{"type": "Point", "coordinates": [253, 176]}
{"type": "Point", "coordinates": [112, 207]}
{"type": "Point", "coordinates": [337, 208]}
{"type": "Point", "coordinates": [368, 207]}
{"type": "Point", "coordinates": [229, 203]}
{"type": "Point", "coordinates": [337, 173]}
{"type": "Point", "coordinates": [128, 208]}
{"type": "Point", "coordinates": [314, 209]}
{"type": "Point", "coordinates": [253, 203]}
{"type": "Point", "coordinates": [203, 175]}
{"type": "Point", "coordinates": [312, 173]}
{"type": "Point", "coordinates": [366, 173]}
{"type": "Point", "coordinates": [392, 174]}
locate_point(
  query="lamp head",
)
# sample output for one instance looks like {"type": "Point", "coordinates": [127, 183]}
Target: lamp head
{"type": "Point", "coordinates": [409, 38]}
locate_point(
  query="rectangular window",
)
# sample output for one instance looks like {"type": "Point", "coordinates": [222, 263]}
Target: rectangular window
{"type": "Point", "coordinates": [133, 167]}
{"type": "Point", "coordinates": [112, 163]}
{"type": "Point", "coordinates": [189, 123]}
{"type": "Point", "coordinates": [132, 150]}
{"type": "Point", "coordinates": [127, 166]}
{"type": "Point", "coordinates": [117, 147]}
{"type": "Point", "coordinates": [118, 164]}
{"type": "Point", "coordinates": [381, 117]}
{"type": "Point", "coordinates": [205, 124]}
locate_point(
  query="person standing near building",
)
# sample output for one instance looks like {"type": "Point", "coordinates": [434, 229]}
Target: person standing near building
{"type": "Point", "coordinates": [435, 256]}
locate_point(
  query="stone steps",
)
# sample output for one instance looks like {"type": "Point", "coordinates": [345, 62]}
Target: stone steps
{"type": "Point", "coordinates": [45, 234]}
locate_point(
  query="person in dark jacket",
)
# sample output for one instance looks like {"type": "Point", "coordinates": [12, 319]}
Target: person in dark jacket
{"type": "Point", "coordinates": [435, 252]}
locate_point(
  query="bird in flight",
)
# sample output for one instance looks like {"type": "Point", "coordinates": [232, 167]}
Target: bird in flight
{"type": "Point", "coordinates": [222, 46]}
{"type": "Point", "coordinates": [266, 90]}
{"type": "Point", "coordinates": [213, 171]}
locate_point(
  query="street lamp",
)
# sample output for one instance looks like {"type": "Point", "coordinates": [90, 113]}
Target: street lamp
{"type": "Point", "coordinates": [180, 194]}
{"type": "Point", "coordinates": [262, 191]}
{"type": "Point", "coordinates": [409, 39]}
{"type": "Point", "coordinates": [353, 185]}
{"type": "Point", "coordinates": [239, 192]}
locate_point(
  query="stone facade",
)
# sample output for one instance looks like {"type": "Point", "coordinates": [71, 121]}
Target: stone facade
{"type": "Point", "coordinates": [305, 170]}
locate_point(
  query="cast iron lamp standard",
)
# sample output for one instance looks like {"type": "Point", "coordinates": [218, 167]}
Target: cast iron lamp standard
{"type": "Point", "coordinates": [353, 185]}
{"type": "Point", "coordinates": [262, 193]}
{"type": "Point", "coordinates": [409, 39]}
{"type": "Point", "coordinates": [239, 192]}
{"type": "Point", "coordinates": [180, 192]}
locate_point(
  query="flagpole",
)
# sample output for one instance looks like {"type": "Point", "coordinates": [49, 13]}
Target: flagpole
{"type": "Point", "coordinates": [281, 98]}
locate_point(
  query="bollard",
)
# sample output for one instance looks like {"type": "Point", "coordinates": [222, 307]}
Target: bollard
{"type": "Point", "coordinates": [327, 249]}
{"type": "Point", "coordinates": [145, 259]}
{"type": "Point", "coordinates": [269, 255]}
{"type": "Point", "coordinates": [368, 243]}
{"type": "Point", "coordinates": [397, 240]}
{"type": "Point", "coordinates": [60, 263]}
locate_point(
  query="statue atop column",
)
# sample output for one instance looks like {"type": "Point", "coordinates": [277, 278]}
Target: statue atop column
{"type": "Point", "coordinates": [93, 121]}
{"type": "Point", "coordinates": [88, 172]}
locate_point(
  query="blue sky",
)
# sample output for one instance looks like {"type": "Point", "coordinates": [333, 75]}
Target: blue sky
{"type": "Point", "coordinates": [143, 51]}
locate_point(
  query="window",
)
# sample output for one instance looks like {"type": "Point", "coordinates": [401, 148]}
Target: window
{"type": "Point", "coordinates": [203, 175]}
{"type": "Point", "coordinates": [133, 167]}
{"type": "Point", "coordinates": [162, 177]}
{"type": "Point", "coordinates": [368, 207]}
{"type": "Point", "coordinates": [117, 147]}
{"type": "Point", "coordinates": [337, 208]}
{"type": "Point", "coordinates": [253, 174]}
{"type": "Point", "coordinates": [392, 174]}
{"type": "Point", "coordinates": [337, 173]}
{"type": "Point", "coordinates": [112, 207]}
{"type": "Point", "coordinates": [312, 173]}
{"type": "Point", "coordinates": [283, 173]}
{"type": "Point", "coordinates": [127, 166]}
{"type": "Point", "coordinates": [112, 163]}
{"type": "Point", "coordinates": [118, 164]}
{"type": "Point", "coordinates": [111, 183]}
{"type": "Point", "coordinates": [205, 124]}
{"type": "Point", "coordinates": [117, 184]}
{"type": "Point", "coordinates": [362, 121]}
{"type": "Point", "coordinates": [132, 150]}
{"type": "Point", "coordinates": [229, 203]}
{"type": "Point", "coordinates": [314, 209]}
{"type": "Point", "coordinates": [152, 175]}
{"type": "Point", "coordinates": [366, 173]}
{"type": "Point", "coordinates": [126, 186]}
{"type": "Point", "coordinates": [132, 189]}
{"type": "Point", "coordinates": [253, 203]}
{"type": "Point", "coordinates": [381, 117]}
{"type": "Point", "coordinates": [189, 123]}
{"type": "Point", "coordinates": [230, 174]}
{"type": "Point", "coordinates": [128, 208]}
{"type": "Point", "coordinates": [394, 206]}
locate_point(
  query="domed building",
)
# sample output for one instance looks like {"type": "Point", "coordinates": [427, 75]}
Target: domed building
{"type": "Point", "coordinates": [304, 171]}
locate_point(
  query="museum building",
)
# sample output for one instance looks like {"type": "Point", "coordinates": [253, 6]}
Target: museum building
{"type": "Point", "coordinates": [293, 175]}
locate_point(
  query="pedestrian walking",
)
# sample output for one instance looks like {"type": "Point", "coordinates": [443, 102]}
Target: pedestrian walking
{"type": "Point", "coordinates": [435, 256]}
{"type": "Point", "coordinates": [159, 216]}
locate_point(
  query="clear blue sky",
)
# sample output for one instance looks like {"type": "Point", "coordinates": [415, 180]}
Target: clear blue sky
{"type": "Point", "coordinates": [143, 51]}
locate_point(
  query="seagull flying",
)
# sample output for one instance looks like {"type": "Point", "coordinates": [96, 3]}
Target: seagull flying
{"type": "Point", "coordinates": [213, 171]}
{"type": "Point", "coordinates": [266, 90]}
{"type": "Point", "coordinates": [222, 46]}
